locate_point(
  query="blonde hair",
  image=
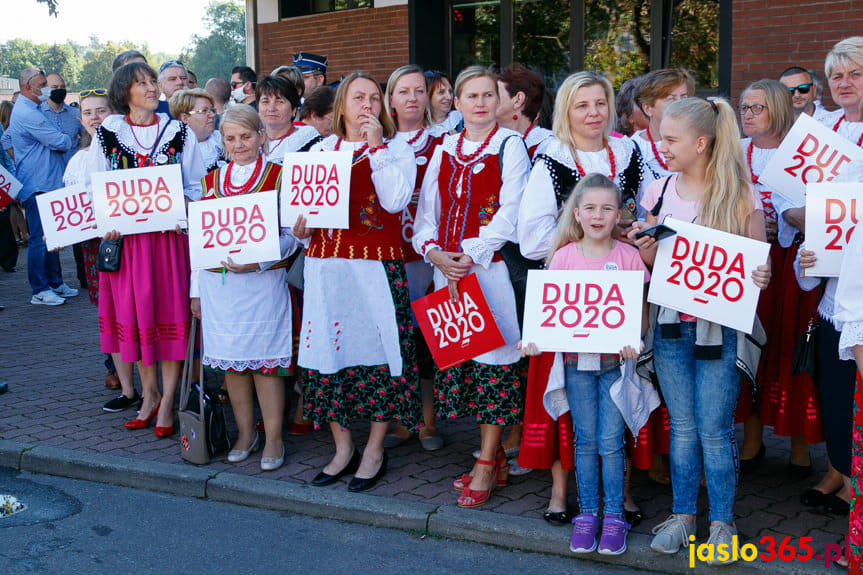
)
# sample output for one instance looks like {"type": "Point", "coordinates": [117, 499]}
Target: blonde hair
{"type": "Point", "coordinates": [389, 128]}
{"type": "Point", "coordinates": [244, 116]}
{"type": "Point", "coordinates": [565, 95]}
{"type": "Point", "coordinates": [568, 229]}
{"type": "Point", "coordinates": [394, 78]}
{"type": "Point", "coordinates": [726, 200]}
{"type": "Point", "coordinates": [183, 101]}
{"type": "Point", "coordinates": [849, 50]}
{"type": "Point", "coordinates": [472, 73]}
{"type": "Point", "coordinates": [779, 105]}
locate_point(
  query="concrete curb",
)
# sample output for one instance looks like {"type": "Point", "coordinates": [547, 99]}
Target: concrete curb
{"type": "Point", "coordinates": [439, 521]}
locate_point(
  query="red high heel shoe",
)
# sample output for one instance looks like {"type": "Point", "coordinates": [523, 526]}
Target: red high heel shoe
{"type": "Point", "coordinates": [143, 423]}
{"type": "Point", "coordinates": [475, 498]}
{"type": "Point", "coordinates": [167, 431]}
{"type": "Point", "coordinates": [464, 479]}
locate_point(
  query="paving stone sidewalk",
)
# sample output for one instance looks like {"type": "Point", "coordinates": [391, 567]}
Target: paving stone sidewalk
{"type": "Point", "coordinates": [50, 358]}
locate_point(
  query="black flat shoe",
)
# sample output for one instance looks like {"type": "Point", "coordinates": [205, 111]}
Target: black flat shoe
{"type": "Point", "coordinates": [558, 518]}
{"type": "Point", "coordinates": [634, 518]}
{"type": "Point", "coordinates": [836, 506]}
{"type": "Point", "coordinates": [751, 464]}
{"type": "Point", "coordinates": [322, 478]}
{"type": "Point", "coordinates": [358, 484]}
{"type": "Point", "coordinates": [813, 498]}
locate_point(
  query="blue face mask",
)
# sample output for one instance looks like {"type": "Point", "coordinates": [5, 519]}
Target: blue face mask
{"type": "Point", "coordinates": [44, 94]}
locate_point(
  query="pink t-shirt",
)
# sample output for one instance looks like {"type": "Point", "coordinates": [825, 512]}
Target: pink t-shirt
{"type": "Point", "coordinates": [621, 257]}
{"type": "Point", "coordinates": [675, 206]}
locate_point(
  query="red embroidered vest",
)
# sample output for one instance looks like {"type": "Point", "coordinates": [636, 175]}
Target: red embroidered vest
{"type": "Point", "coordinates": [271, 179]}
{"type": "Point", "coordinates": [462, 216]}
{"type": "Point", "coordinates": [374, 233]}
{"type": "Point", "coordinates": [409, 214]}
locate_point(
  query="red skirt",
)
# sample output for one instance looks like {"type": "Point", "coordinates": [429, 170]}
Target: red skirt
{"type": "Point", "coordinates": [544, 440]}
{"type": "Point", "coordinates": [788, 403]}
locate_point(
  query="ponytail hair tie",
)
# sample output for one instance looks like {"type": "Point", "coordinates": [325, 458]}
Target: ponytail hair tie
{"type": "Point", "coordinates": [713, 105]}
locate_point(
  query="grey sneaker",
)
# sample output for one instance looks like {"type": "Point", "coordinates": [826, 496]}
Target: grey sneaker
{"type": "Point", "coordinates": [46, 297]}
{"type": "Point", "coordinates": [65, 291]}
{"type": "Point", "coordinates": [722, 534]}
{"type": "Point", "coordinates": [671, 534]}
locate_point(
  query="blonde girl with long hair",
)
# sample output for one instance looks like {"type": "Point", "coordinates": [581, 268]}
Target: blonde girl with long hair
{"type": "Point", "coordinates": [700, 141]}
{"type": "Point", "coordinates": [584, 240]}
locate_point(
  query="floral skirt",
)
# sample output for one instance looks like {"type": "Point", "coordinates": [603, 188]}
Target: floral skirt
{"type": "Point", "coordinates": [90, 249]}
{"type": "Point", "coordinates": [493, 394]}
{"type": "Point", "coordinates": [370, 393]}
{"type": "Point", "coordinates": [855, 524]}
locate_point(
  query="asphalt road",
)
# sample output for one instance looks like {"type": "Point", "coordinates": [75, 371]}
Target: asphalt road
{"type": "Point", "coordinates": [73, 526]}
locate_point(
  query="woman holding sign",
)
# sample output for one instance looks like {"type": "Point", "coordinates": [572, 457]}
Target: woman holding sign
{"type": "Point", "coordinates": [406, 100]}
{"type": "Point", "coordinates": [789, 403]}
{"type": "Point", "coordinates": [143, 308]}
{"type": "Point", "coordinates": [712, 188]}
{"type": "Point", "coordinates": [246, 313]}
{"type": "Point", "coordinates": [356, 347]}
{"type": "Point", "coordinates": [467, 212]}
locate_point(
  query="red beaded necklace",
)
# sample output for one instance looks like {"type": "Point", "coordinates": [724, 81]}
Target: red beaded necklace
{"type": "Point", "coordinates": [655, 151]}
{"type": "Point", "coordinates": [418, 135]}
{"type": "Point", "coordinates": [469, 158]}
{"type": "Point", "coordinates": [839, 123]}
{"type": "Point", "coordinates": [232, 190]}
{"type": "Point", "coordinates": [357, 153]}
{"type": "Point", "coordinates": [132, 129]}
{"type": "Point", "coordinates": [610, 161]}
{"type": "Point", "coordinates": [279, 141]}
{"type": "Point", "coordinates": [526, 132]}
{"type": "Point", "coordinates": [749, 161]}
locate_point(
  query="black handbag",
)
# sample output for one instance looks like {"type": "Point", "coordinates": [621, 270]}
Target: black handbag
{"type": "Point", "coordinates": [804, 353]}
{"type": "Point", "coordinates": [109, 255]}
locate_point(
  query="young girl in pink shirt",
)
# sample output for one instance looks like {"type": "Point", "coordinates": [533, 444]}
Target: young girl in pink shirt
{"type": "Point", "coordinates": [584, 241]}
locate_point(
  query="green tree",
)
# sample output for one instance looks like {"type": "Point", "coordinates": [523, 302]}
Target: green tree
{"type": "Point", "coordinates": [96, 71]}
{"type": "Point", "coordinates": [214, 55]}
{"type": "Point", "coordinates": [64, 59]}
{"type": "Point", "coordinates": [18, 54]}
{"type": "Point", "coordinates": [52, 7]}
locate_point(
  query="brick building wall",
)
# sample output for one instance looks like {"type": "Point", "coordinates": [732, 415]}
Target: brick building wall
{"type": "Point", "coordinates": [771, 35]}
{"type": "Point", "coordinates": [373, 40]}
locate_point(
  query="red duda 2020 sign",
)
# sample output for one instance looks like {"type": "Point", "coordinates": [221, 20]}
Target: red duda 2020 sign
{"type": "Point", "coordinates": [457, 332]}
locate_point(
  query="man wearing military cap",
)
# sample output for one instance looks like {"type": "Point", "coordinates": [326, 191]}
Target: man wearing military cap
{"type": "Point", "coordinates": [314, 69]}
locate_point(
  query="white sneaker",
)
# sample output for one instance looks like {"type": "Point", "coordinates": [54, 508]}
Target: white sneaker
{"type": "Point", "coordinates": [671, 534]}
{"type": "Point", "coordinates": [722, 534]}
{"type": "Point", "coordinates": [47, 297]}
{"type": "Point", "coordinates": [65, 291]}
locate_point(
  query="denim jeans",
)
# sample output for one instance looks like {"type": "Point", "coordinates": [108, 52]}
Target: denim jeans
{"type": "Point", "coordinates": [701, 396]}
{"type": "Point", "coordinates": [599, 430]}
{"type": "Point", "coordinates": [43, 267]}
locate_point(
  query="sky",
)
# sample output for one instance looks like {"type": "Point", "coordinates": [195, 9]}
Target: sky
{"type": "Point", "coordinates": [166, 25]}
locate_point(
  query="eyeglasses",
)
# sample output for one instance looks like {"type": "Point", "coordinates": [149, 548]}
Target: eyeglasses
{"type": "Point", "coordinates": [756, 109]}
{"type": "Point", "coordinates": [171, 63]}
{"type": "Point", "coordinates": [235, 84]}
{"type": "Point", "coordinates": [92, 92]}
{"type": "Point", "coordinates": [204, 111]}
{"type": "Point", "coordinates": [802, 88]}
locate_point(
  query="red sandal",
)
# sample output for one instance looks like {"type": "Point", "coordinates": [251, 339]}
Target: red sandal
{"type": "Point", "coordinates": [474, 498]}
{"type": "Point", "coordinates": [463, 480]}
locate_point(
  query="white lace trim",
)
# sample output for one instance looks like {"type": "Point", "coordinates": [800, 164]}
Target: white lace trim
{"type": "Point", "coordinates": [246, 364]}
{"type": "Point", "coordinates": [852, 334]}
{"type": "Point", "coordinates": [121, 128]}
{"type": "Point", "coordinates": [478, 250]}
{"type": "Point", "coordinates": [621, 147]}
{"type": "Point", "coordinates": [536, 136]}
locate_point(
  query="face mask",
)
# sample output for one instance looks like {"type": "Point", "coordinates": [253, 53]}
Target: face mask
{"type": "Point", "coordinates": [58, 95]}
{"type": "Point", "coordinates": [44, 94]}
{"type": "Point", "coordinates": [238, 95]}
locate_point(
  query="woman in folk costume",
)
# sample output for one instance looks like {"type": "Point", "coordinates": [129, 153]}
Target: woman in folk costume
{"type": "Point", "coordinates": [245, 309]}
{"type": "Point", "coordinates": [143, 307]}
{"type": "Point", "coordinates": [467, 212]}
{"type": "Point", "coordinates": [356, 346]}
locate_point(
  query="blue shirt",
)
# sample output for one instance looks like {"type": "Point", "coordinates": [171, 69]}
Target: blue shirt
{"type": "Point", "coordinates": [39, 147]}
{"type": "Point", "coordinates": [5, 160]}
{"type": "Point", "coordinates": [68, 119]}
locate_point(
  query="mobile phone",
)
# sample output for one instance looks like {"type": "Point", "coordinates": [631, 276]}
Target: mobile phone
{"type": "Point", "coordinates": [657, 232]}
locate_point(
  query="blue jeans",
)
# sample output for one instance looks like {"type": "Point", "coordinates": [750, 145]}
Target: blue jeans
{"type": "Point", "coordinates": [599, 430]}
{"type": "Point", "coordinates": [701, 395]}
{"type": "Point", "coordinates": [43, 267]}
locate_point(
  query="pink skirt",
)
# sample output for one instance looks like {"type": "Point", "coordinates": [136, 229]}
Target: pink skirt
{"type": "Point", "coordinates": [144, 307]}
